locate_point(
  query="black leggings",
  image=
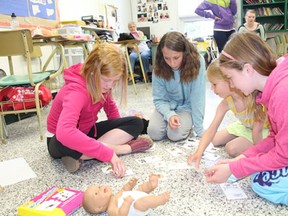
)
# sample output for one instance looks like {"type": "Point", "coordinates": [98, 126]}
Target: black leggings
{"type": "Point", "coordinates": [132, 125]}
{"type": "Point", "coordinates": [221, 38]}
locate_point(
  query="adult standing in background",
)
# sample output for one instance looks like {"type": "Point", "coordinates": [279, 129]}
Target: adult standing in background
{"type": "Point", "coordinates": [252, 25]}
{"type": "Point", "coordinates": [222, 12]}
{"type": "Point", "coordinates": [144, 50]}
{"type": "Point", "coordinates": [178, 89]}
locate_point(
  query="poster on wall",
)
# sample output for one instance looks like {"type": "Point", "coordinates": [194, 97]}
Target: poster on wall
{"type": "Point", "coordinates": [43, 9]}
{"type": "Point", "coordinates": [152, 11]}
{"type": "Point", "coordinates": [19, 7]}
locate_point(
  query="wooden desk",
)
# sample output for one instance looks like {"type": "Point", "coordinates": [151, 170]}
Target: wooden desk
{"type": "Point", "coordinates": [65, 42]}
{"type": "Point", "coordinates": [126, 44]}
{"type": "Point", "coordinates": [153, 52]}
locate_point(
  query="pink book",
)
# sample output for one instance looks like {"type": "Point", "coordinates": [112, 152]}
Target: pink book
{"type": "Point", "coordinates": [54, 201]}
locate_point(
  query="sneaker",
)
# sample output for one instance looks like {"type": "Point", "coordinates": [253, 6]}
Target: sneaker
{"type": "Point", "coordinates": [71, 164]}
{"type": "Point", "coordinates": [141, 144]}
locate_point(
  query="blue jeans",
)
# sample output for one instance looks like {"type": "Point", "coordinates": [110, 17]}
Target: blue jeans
{"type": "Point", "coordinates": [158, 128]}
{"type": "Point", "coordinates": [145, 56]}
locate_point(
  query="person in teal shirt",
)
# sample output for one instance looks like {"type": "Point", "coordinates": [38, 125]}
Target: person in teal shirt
{"type": "Point", "coordinates": [178, 89]}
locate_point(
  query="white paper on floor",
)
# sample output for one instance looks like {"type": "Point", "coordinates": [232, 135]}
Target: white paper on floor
{"type": "Point", "coordinates": [14, 171]}
{"type": "Point", "coordinates": [233, 191]}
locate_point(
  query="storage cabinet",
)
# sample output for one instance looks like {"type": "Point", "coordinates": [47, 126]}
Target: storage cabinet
{"type": "Point", "coordinates": [272, 14]}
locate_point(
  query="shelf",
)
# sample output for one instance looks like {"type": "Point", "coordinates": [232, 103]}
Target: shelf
{"type": "Point", "coordinates": [272, 15]}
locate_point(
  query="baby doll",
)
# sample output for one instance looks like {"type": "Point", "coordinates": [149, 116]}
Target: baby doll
{"type": "Point", "coordinates": [99, 199]}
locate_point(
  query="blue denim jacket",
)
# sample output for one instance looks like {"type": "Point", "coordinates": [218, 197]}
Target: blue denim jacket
{"type": "Point", "coordinates": [173, 95]}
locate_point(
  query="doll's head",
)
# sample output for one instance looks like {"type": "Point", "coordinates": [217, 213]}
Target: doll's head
{"type": "Point", "coordinates": [96, 199]}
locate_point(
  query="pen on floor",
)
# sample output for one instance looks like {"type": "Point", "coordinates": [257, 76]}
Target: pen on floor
{"type": "Point", "coordinates": [233, 179]}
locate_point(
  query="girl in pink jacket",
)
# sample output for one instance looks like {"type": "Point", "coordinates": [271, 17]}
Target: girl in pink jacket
{"type": "Point", "coordinates": [73, 115]}
{"type": "Point", "coordinates": [251, 66]}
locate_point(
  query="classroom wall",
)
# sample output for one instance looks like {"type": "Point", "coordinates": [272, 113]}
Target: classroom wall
{"type": "Point", "coordinates": [181, 11]}
{"type": "Point", "coordinates": [95, 8]}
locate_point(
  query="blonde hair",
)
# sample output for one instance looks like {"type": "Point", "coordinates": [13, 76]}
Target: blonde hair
{"type": "Point", "coordinates": [213, 71]}
{"type": "Point", "coordinates": [107, 60]}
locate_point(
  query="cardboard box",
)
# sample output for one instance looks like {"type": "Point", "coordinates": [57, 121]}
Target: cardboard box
{"type": "Point", "coordinates": [54, 201]}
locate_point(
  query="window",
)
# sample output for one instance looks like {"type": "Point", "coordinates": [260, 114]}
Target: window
{"type": "Point", "coordinates": [192, 23]}
{"type": "Point", "coordinates": [194, 29]}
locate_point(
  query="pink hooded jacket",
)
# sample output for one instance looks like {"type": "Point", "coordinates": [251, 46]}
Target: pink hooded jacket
{"type": "Point", "coordinates": [73, 114]}
{"type": "Point", "coordinates": [272, 152]}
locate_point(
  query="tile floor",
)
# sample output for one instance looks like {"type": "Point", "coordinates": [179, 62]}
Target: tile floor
{"type": "Point", "coordinates": [190, 194]}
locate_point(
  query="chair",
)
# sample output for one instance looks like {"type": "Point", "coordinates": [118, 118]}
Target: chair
{"type": "Point", "coordinates": [285, 41]}
{"type": "Point", "coordinates": [19, 43]}
{"type": "Point", "coordinates": [280, 47]}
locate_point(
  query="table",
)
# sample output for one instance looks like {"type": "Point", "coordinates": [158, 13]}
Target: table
{"type": "Point", "coordinates": [126, 44]}
{"type": "Point", "coordinates": [98, 31]}
{"type": "Point", "coordinates": [153, 51]}
{"type": "Point", "coordinates": [65, 42]}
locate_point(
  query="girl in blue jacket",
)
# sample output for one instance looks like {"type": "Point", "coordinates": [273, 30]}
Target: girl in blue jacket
{"type": "Point", "coordinates": [178, 89]}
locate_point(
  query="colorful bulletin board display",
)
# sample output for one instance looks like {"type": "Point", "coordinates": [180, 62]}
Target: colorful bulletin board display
{"type": "Point", "coordinates": [30, 13]}
{"type": "Point", "coordinates": [152, 11]}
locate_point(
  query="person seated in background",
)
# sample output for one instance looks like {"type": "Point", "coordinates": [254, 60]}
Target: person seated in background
{"type": "Point", "coordinates": [252, 25]}
{"type": "Point", "coordinates": [143, 49]}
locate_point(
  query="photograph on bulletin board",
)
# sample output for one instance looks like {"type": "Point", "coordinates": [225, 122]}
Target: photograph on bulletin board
{"type": "Point", "coordinates": [152, 11]}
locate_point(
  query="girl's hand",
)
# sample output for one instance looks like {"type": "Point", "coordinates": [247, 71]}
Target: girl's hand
{"type": "Point", "coordinates": [174, 122]}
{"type": "Point", "coordinates": [226, 161]}
{"type": "Point", "coordinates": [118, 166]}
{"type": "Point", "coordinates": [218, 173]}
{"type": "Point", "coordinates": [196, 158]}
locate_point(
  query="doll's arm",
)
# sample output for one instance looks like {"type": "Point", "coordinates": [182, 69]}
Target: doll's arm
{"type": "Point", "coordinates": [113, 209]}
{"type": "Point", "coordinates": [147, 202]}
{"type": "Point", "coordinates": [130, 184]}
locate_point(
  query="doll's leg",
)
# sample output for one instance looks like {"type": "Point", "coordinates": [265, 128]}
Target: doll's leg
{"type": "Point", "coordinates": [147, 202]}
{"type": "Point", "coordinates": [149, 186]}
{"type": "Point", "coordinates": [130, 184]}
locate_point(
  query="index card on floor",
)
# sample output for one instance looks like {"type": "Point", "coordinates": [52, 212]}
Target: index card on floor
{"type": "Point", "coordinates": [14, 171]}
{"type": "Point", "coordinates": [149, 159]}
{"type": "Point", "coordinates": [233, 191]}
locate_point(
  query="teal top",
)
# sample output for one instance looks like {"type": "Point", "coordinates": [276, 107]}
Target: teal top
{"type": "Point", "coordinates": [173, 95]}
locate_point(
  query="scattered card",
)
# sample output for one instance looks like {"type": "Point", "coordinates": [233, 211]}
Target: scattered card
{"type": "Point", "coordinates": [187, 145]}
{"type": "Point", "coordinates": [108, 170]}
{"type": "Point", "coordinates": [210, 156]}
{"type": "Point", "coordinates": [146, 160]}
{"type": "Point", "coordinates": [212, 149]}
{"type": "Point", "coordinates": [175, 151]}
{"type": "Point", "coordinates": [233, 191]}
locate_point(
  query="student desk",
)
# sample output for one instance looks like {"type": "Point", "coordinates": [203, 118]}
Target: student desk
{"type": "Point", "coordinates": [65, 42]}
{"type": "Point", "coordinates": [126, 44]}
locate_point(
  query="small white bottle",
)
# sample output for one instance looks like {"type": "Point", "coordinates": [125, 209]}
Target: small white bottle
{"type": "Point", "coordinates": [14, 21]}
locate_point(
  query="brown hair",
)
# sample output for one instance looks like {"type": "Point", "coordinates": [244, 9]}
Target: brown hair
{"type": "Point", "coordinates": [107, 60]}
{"type": "Point", "coordinates": [191, 58]}
{"type": "Point", "coordinates": [247, 47]}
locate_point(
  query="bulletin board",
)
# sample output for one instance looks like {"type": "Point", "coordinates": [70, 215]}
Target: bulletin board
{"type": "Point", "coordinates": [30, 13]}
{"type": "Point", "coordinates": [152, 11]}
